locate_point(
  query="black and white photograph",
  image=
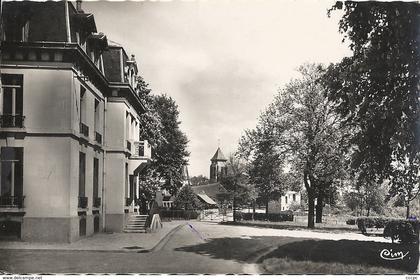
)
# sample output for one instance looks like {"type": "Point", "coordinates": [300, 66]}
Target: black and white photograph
{"type": "Point", "coordinates": [209, 137]}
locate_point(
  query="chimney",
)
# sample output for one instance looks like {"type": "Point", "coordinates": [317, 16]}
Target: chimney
{"type": "Point", "coordinates": [79, 6]}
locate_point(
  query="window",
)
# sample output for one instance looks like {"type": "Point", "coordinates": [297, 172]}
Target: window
{"type": "Point", "coordinates": [127, 126]}
{"type": "Point", "coordinates": [95, 178]}
{"type": "Point", "coordinates": [82, 174]}
{"type": "Point", "coordinates": [82, 226]}
{"type": "Point", "coordinates": [82, 104]}
{"type": "Point", "coordinates": [96, 224]}
{"type": "Point", "coordinates": [126, 180]}
{"type": "Point", "coordinates": [285, 199]}
{"type": "Point", "coordinates": [17, 31]}
{"type": "Point", "coordinates": [12, 108]}
{"type": "Point", "coordinates": [84, 129]}
{"type": "Point", "coordinates": [294, 197]}
{"type": "Point", "coordinates": [11, 184]}
{"type": "Point", "coordinates": [96, 119]}
{"type": "Point", "coordinates": [132, 185]}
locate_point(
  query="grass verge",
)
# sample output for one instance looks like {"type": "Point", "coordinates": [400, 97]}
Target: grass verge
{"type": "Point", "coordinates": [342, 256]}
{"type": "Point", "coordinates": [289, 266]}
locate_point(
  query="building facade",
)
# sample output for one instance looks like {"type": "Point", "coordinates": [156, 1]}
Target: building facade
{"type": "Point", "coordinates": [126, 154]}
{"type": "Point", "coordinates": [53, 124]}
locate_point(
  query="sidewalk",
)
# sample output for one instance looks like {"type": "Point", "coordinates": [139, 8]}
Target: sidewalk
{"type": "Point", "coordinates": [114, 242]}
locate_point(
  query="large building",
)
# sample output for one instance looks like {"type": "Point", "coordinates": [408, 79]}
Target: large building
{"type": "Point", "coordinates": [68, 129]}
{"type": "Point", "coordinates": [126, 154]}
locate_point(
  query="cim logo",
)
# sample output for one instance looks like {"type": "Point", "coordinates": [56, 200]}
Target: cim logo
{"type": "Point", "coordinates": [392, 256]}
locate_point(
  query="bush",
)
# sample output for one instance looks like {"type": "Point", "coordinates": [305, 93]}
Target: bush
{"type": "Point", "coordinates": [371, 222]}
{"type": "Point", "coordinates": [351, 221]}
{"type": "Point", "coordinates": [272, 217]}
{"type": "Point", "coordinates": [402, 230]}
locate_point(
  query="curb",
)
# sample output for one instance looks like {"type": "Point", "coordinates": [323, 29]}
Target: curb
{"type": "Point", "coordinates": [254, 267]}
{"type": "Point", "coordinates": [166, 238]}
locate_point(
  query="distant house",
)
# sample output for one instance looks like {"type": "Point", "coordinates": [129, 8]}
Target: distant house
{"type": "Point", "coordinates": [209, 194]}
{"type": "Point", "coordinates": [283, 204]}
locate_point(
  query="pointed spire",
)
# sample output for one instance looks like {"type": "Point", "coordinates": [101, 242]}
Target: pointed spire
{"type": "Point", "coordinates": [218, 156]}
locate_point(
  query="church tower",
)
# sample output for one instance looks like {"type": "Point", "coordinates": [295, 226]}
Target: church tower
{"type": "Point", "coordinates": [218, 166]}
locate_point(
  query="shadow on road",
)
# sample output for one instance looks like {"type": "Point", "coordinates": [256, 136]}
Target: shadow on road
{"type": "Point", "coordinates": [237, 248]}
{"type": "Point", "coordinates": [349, 252]}
{"type": "Point", "coordinates": [298, 249]}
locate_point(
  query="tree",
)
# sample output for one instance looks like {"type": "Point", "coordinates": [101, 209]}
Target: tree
{"type": "Point", "coordinates": [236, 184]}
{"type": "Point", "coordinates": [265, 162]}
{"type": "Point", "coordinates": [199, 180]}
{"type": "Point", "coordinates": [150, 120]}
{"type": "Point", "coordinates": [352, 200]}
{"type": "Point", "coordinates": [186, 199]}
{"type": "Point", "coordinates": [151, 130]}
{"type": "Point", "coordinates": [309, 135]}
{"type": "Point", "coordinates": [160, 126]}
{"type": "Point", "coordinates": [376, 91]}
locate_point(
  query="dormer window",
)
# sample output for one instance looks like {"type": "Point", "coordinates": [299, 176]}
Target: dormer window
{"type": "Point", "coordinates": [17, 32]}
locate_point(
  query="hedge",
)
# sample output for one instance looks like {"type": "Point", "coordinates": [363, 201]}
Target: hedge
{"type": "Point", "coordinates": [272, 217]}
{"type": "Point", "coordinates": [371, 222]}
{"type": "Point", "coordinates": [351, 221]}
{"type": "Point", "coordinates": [404, 231]}
{"type": "Point", "coordinates": [179, 214]}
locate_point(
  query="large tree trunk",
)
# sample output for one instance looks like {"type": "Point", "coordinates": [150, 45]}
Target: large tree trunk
{"type": "Point", "coordinates": [368, 212]}
{"type": "Point", "coordinates": [319, 207]}
{"type": "Point", "coordinates": [234, 209]}
{"type": "Point", "coordinates": [253, 210]}
{"type": "Point", "coordinates": [311, 198]}
{"type": "Point", "coordinates": [311, 210]}
{"type": "Point", "coordinates": [408, 209]}
{"type": "Point", "coordinates": [266, 208]}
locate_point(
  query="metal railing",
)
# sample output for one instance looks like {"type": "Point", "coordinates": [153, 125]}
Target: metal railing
{"type": "Point", "coordinates": [97, 202]}
{"type": "Point", "coordinates": [11, 201]}
{"type": "Point", "coordinates": [84, 129]}
{"type": "Point", "coordinates": [83, 202]}
{"type": "Point", "coordinates": [128, 201]}
{"type": "Point", "coordinates": [12, 121]}
{"type": "Point", "coordinates": [98, 137]}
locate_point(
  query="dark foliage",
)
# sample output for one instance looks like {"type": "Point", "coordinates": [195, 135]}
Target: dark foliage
{"type": "Point", "coordinates": [179, 214]}
{"type": "Point", "coordinates": [376, 91]}
{"type": "Point", "coordinates": [403, 231]}
{"type": "Point", "coordinates": [272, 217]}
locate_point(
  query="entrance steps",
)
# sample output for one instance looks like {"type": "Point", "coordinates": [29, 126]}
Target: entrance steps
{"type": "Point", "coordinates": [136, 224]}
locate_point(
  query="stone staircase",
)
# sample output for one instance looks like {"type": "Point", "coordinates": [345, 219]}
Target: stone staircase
{"type": "Point", "coordinates": [136, 224]}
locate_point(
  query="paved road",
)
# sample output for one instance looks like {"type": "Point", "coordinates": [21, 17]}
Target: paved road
{"type": "Point", "coordinates": [188, 250]}
{"type": "Point", "coordinates": [198, 247]}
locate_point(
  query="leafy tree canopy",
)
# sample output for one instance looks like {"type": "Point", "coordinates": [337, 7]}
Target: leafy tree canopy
{"type": "Point", "coordinates": [199, 180]}
{"type": "Point", "coordinates": [377, 90]}
{"type": "Point", "coordinates": [160, 126]}
{"type": "Point", "coordinates": [186, 199]}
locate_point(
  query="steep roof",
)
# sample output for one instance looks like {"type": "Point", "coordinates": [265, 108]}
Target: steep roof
{"type": "Point", "coordinates": [218, 156]}
{"type": "Point", "coordinates": [210, 190]}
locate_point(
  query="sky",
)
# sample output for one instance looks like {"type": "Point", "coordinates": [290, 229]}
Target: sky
{"type": "Point", "coordinates": [222, 61]}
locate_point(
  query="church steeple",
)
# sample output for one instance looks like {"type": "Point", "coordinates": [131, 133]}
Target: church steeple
{"type": "Point", "coordinates": [218, 166]}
